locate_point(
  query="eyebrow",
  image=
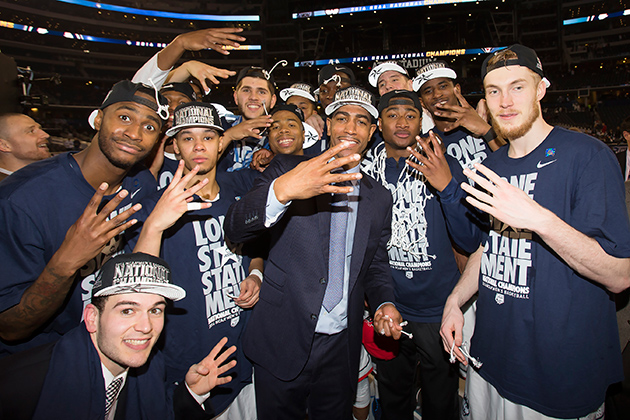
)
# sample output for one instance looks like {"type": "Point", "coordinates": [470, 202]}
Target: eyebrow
{"type": "Point", "coordinates": [135, 110]}
{"type": "Point", "coordinates": [205, 131]}
{"type": "Point", "coordinates": [404, 107]}
{"type": "Point", "coordinates": [135, 304]}
{"type": "Point", "coordinates": [513, 82]}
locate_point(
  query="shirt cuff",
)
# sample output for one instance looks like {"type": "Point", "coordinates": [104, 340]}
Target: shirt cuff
{"type": "Point", "coordinates": [150, 70]}
{"type": "Point", "coordinates": [451, 193]}
{"type": "Point", "coordinates": [384, 303]}
{"type": "Point", "coordinates": [199, 398]}
{"type": "Point", "coordinates": [274, 209]}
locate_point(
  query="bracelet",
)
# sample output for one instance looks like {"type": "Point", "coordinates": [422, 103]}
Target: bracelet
{"type": "Point", "coordinates": [257, 273]}
{"type": "Point", "coordinates": [489, 136]}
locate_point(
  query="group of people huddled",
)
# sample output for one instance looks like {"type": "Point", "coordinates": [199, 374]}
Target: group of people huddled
{"type": "Point", "coordinates": [192, 263]}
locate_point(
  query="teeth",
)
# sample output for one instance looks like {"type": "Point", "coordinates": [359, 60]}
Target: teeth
{"type": "Point", "coordinates": [137, 342]}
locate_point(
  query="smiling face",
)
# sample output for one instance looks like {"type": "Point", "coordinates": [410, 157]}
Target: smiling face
{"type": "Point", "coordinates": [198, 146]}
{"type": "Point", "coordinates": [400, 124]}
{"type": "Point", "coordinates": [350, 123]}
{"type": "Point", "coordinates": [440, 90]}
{"type": "Point", "coordinates": [126, 329]}
{"type": "Point", "coordinates": [513, 97]}
{"type": "Point", "coordinates": [286, 134]}
{"type": "Point", "coordinates": [250, 95]}
{"type": "Point", "coordinates": [127, 131]}
{"type": "Point", "coordinates": [393, 80]}
{"type": "Point", "coordinates": [24, 138]}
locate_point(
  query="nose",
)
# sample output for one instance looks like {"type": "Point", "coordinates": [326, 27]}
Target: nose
{"type": "Point", "coordinates": [506, 100]}
{"type": "Point", "coordinates": [144, 323]}
{"type": "Point", "coordinates": [402, 122]}
{"type": "Point", "coordinates": [133, 131]}
{"type": "Point", "coordinates": [199, 145]}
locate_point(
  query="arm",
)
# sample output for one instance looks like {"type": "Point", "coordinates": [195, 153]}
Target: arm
{"type": "Point", "coordinates": [250, 286]}
{"type": "Point", "coordinates": [84, 240]}
{"type": "Point", "coordinates": [452, 317]}
{"type": "Point", "coordinates": [213, 38]}
{"type": "Point", "coordinates": [582, 253]}
{"type": "Point", "coordinates": [169, 208]}
{"type": "Point", "coordinates": [464, 116]}
{"type": "Point", "coordinates": [246, 218]}
{"type": "Point", "coordinates": [199, 71]}
{"type": "Point", "coordinates": [433, 164]}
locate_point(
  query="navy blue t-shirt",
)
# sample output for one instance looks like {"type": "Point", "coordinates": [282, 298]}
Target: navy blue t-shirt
{"type": "Point", "coordinates": [547, 336]}
{"type": "Point", "coordinates": [464, 147]}
{"type": "Point", "coordinates": [208, 269]}
{"type": "Point", "coordinates": [420, 251]}
{"type": "Point", "coordinates": [37, 206]}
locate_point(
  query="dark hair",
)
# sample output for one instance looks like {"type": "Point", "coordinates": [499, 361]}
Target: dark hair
{"type": "Point", "coordinates": [99, 302]}
{"type": "Point", "coordinates": [625, 125]}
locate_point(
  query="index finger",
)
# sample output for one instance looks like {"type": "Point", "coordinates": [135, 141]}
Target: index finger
{"type": "Point", "coordinates": [462, 101]}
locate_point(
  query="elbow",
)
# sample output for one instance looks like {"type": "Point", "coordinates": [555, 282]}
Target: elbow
{"type": "Point", "coordinates": [622, 285]}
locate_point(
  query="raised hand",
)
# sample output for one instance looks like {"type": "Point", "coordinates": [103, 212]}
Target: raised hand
{"type": "Point", "coordinates": [314, 177]}
{"type": "Point", "coordinates": [431, 162]}
{"type": "Point", "coordinates": [202, 377]}
{"type": "Point", "coordinates": [463, 115]}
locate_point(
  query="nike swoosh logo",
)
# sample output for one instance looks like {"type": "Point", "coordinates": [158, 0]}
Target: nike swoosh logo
{"type": "Point", "coordinates": [542, 165]}
{"type": "Point", "coordinates": [134, 193]}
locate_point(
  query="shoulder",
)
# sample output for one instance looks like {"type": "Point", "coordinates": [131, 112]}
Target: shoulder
{"type": "Point", "coordinates": [29, 179]}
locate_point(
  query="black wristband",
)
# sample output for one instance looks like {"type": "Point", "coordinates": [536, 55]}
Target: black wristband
{"type": "Point", "coordinates": [489, 136]}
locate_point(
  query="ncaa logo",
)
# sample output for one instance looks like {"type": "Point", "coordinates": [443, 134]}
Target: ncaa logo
{"type": "Point", "coordinates": [499, 298]}
{"type": "Point", "coordinates": [409, 274]}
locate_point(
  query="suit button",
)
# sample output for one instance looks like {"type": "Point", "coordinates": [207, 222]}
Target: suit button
{"type": "Point", "coordinates": [313, 317]}
{"type": "Point", "coordinates": [322, 280]}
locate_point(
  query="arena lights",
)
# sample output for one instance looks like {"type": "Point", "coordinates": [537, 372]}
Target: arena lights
{"type": "Point", "coordinates": [596, 18]}
{"type": "Point", "coordinates": [166, 15]}
{"type": "Point", "coordinates": [400, 57]}
{"type": "Point", "coordinates": [378, 7]}
{"type": "Point", "coordinates": [82, 37]}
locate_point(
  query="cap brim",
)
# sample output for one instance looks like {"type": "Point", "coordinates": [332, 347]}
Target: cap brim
{"type": "Point", "coordinates": [310, 136]}
{"type": "Point", "coordinates": [169, 291]}
{"type": "Point", "coordinates": [92, 117]}
{"type": "Point", "coordinates": [382, 68]}
{"type": "Point", "coordinates": [338, 104]}
{"type": "Point", "coordinates": [288, 92]}
{"type": "Point", "coordinates": [174, 130]}
{"type": "Point", "coordinates": [421, 79]}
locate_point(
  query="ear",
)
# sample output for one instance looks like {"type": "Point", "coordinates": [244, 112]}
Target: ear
{"type": "Point", "coordinates": [175, 148]}
{"type": "Point", "coordinates": [273, 101]}
{"type": "Point", "coordinates": [328, 122]}
{"type": "Point", "coordinates": [458, 88]}
{"type": "Point", "coordinates": [90, 316]}
{"type": "Point", "coordinates": [220, 145]}
{"type": "Point", "coordinates": [380, 124]}
{"type": "Point", "coordinates": [541, 90]}
{"type": "Point", "coordinates": [5, 146]}
{"type": "Point", "coordinates": [235, 97]}
{"type": "Point", "coordinates": [372, 129]}
{"type": "Point", "coordinates": [98, 120]}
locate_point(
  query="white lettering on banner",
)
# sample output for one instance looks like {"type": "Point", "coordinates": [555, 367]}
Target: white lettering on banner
{"type": "Point", "coordinates": [467, 151]}
{"type": "Point", "coordinates": [507, 253]}
{"type": "Point", "coordinates": [221, 271]}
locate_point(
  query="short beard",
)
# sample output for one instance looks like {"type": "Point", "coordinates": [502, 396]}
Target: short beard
{"type": "Point", "coordinates": [105, 145]}
{"type": "Point", "coordinates": [514, 133]}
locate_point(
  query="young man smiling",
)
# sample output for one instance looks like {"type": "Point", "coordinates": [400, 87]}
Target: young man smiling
{"type": "Point", "coordinates": [214, 272]}
{"type": "Point", "coordinates": [106, 368]}
{"type": "Point", "coordinates": [22, 141]}
{"type": "Point", "coordinates": [304, 335]}
{"type": "Point", "coordinates": [558, 244]}
{"type": "Point", "coordinates": [61, 218]}
{"type": "Point", "coordinates": [420, 257]}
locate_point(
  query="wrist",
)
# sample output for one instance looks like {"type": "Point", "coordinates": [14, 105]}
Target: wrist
{"type": "Point", "coordinates": [489, 136]}
{"type": "Point", "coordinates": [256, 272]}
